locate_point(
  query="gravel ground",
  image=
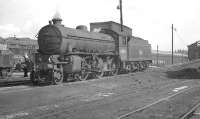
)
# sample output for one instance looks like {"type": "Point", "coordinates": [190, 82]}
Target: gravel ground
{"type": "Point", "coordinates": [106, 98]}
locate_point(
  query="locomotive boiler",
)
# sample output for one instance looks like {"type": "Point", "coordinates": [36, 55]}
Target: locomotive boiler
{"type": "Point", "coordinates": [75, 54]}
{"type": "Point", "coordinates": [57, 39]}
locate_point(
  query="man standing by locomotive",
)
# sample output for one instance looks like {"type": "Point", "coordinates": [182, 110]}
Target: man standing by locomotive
{"type": "Point", "coordinates": [26, 66]}
{"type": "Point", "coordinates": [25, 69]}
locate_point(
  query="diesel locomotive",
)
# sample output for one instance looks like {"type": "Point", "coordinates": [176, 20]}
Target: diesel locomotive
{"type": "Point", "coordinates": [75, 54]}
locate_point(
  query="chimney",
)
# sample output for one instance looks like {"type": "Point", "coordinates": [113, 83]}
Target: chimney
{"type": "Point", "coordinates": [57, 19]}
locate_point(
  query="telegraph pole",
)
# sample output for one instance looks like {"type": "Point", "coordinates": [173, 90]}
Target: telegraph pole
{"type": "Point", "coordinates": [121, 15]}
{"type": "Point", "coordinates": [172, 44]}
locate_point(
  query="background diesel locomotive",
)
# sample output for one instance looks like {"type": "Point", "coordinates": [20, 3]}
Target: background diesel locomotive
{"type": "Point", "coordinates": [65, 53]}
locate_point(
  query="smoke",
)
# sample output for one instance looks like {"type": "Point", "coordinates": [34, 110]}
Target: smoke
{"type": "Point", "coordinates": [57, 15]}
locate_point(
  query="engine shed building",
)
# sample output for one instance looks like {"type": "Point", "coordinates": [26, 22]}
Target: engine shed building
{"type": "Point", "coordinates": [20, 46]}
{"type": "Point", "coordinates": [194, 51]}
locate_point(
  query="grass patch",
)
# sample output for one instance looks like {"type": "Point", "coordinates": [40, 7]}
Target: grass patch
{"type": "Point", "coordinates": [188, 73]}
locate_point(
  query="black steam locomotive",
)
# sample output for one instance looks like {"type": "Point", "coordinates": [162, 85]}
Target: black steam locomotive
{"type": "Point", "coordinates": [65, 53]}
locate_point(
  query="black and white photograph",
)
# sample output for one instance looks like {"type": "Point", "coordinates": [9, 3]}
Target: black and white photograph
{"type": "Point", "coordinates": [99, 59]}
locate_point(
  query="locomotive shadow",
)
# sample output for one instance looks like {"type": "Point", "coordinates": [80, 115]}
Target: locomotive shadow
{"type": "Point", "coordinates": [41, 84]}
{"type": "Point", "coordinates": [15, 83]}
{"type": "Point", "coordinates": [187, 73]}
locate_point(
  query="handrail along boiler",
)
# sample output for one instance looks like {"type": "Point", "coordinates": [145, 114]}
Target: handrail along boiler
{"type": "Point", "coordinates": [65, 53]}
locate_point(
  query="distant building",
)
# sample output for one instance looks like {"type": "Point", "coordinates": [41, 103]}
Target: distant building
{"type": "Point", "coordinates": [194, 50]}
{"type": "Point", "coordinates": [21, 46]}
{"type": "Point", "coordinates": [165, 58]}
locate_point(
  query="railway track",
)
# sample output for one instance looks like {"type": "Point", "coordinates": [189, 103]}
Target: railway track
{"type": "Point", "coordinates": [156, 110]}
{"type": "Point", "coordinates": [14, 83]}
{"type": "Point", "coordinates": [192, 114]}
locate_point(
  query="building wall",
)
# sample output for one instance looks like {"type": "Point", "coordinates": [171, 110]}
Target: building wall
{"type": "Point", "coordinates": [194, 51]}
{"type": "Point", "coordinates": [20, 47]}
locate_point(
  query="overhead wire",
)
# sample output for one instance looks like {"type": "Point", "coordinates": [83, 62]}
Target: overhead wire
{"type": "Point", "coordinates": [180, 38]}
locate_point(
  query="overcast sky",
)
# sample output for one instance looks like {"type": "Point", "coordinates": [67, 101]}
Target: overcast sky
{"type": "Point", "coordinates": [149, 19]}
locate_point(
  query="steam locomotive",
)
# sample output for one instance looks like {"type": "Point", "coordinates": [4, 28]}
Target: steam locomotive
{"type": "Point", "coordinates": [66, 53]}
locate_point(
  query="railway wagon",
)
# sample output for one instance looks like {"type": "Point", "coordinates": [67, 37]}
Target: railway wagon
{"type": "Point", "coordinates": [6, 63]}
{"type": "Point", "coordinates": [65, 53]}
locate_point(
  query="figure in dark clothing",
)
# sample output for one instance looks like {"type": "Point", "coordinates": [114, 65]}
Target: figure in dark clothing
{"type": "Point", "coordinates": [18, 66]}
{"type": "Point", "coordinates": [25, 67]}
{"type": "Point", "coordinates": [25, 71]}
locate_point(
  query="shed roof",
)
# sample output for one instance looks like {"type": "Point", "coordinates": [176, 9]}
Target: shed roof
{"type": "Point", "coordinates": [197, 43]}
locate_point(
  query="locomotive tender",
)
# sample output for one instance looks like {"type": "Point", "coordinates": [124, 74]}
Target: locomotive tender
{"type": "Point", "coordinates": [65, 53]}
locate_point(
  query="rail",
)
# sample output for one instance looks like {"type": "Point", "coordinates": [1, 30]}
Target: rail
{"type": "Point", "coordinates": [190, 112]}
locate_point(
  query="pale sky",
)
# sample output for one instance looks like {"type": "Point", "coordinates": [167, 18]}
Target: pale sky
{"type": "Point", "coordinates": [149, 19]}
